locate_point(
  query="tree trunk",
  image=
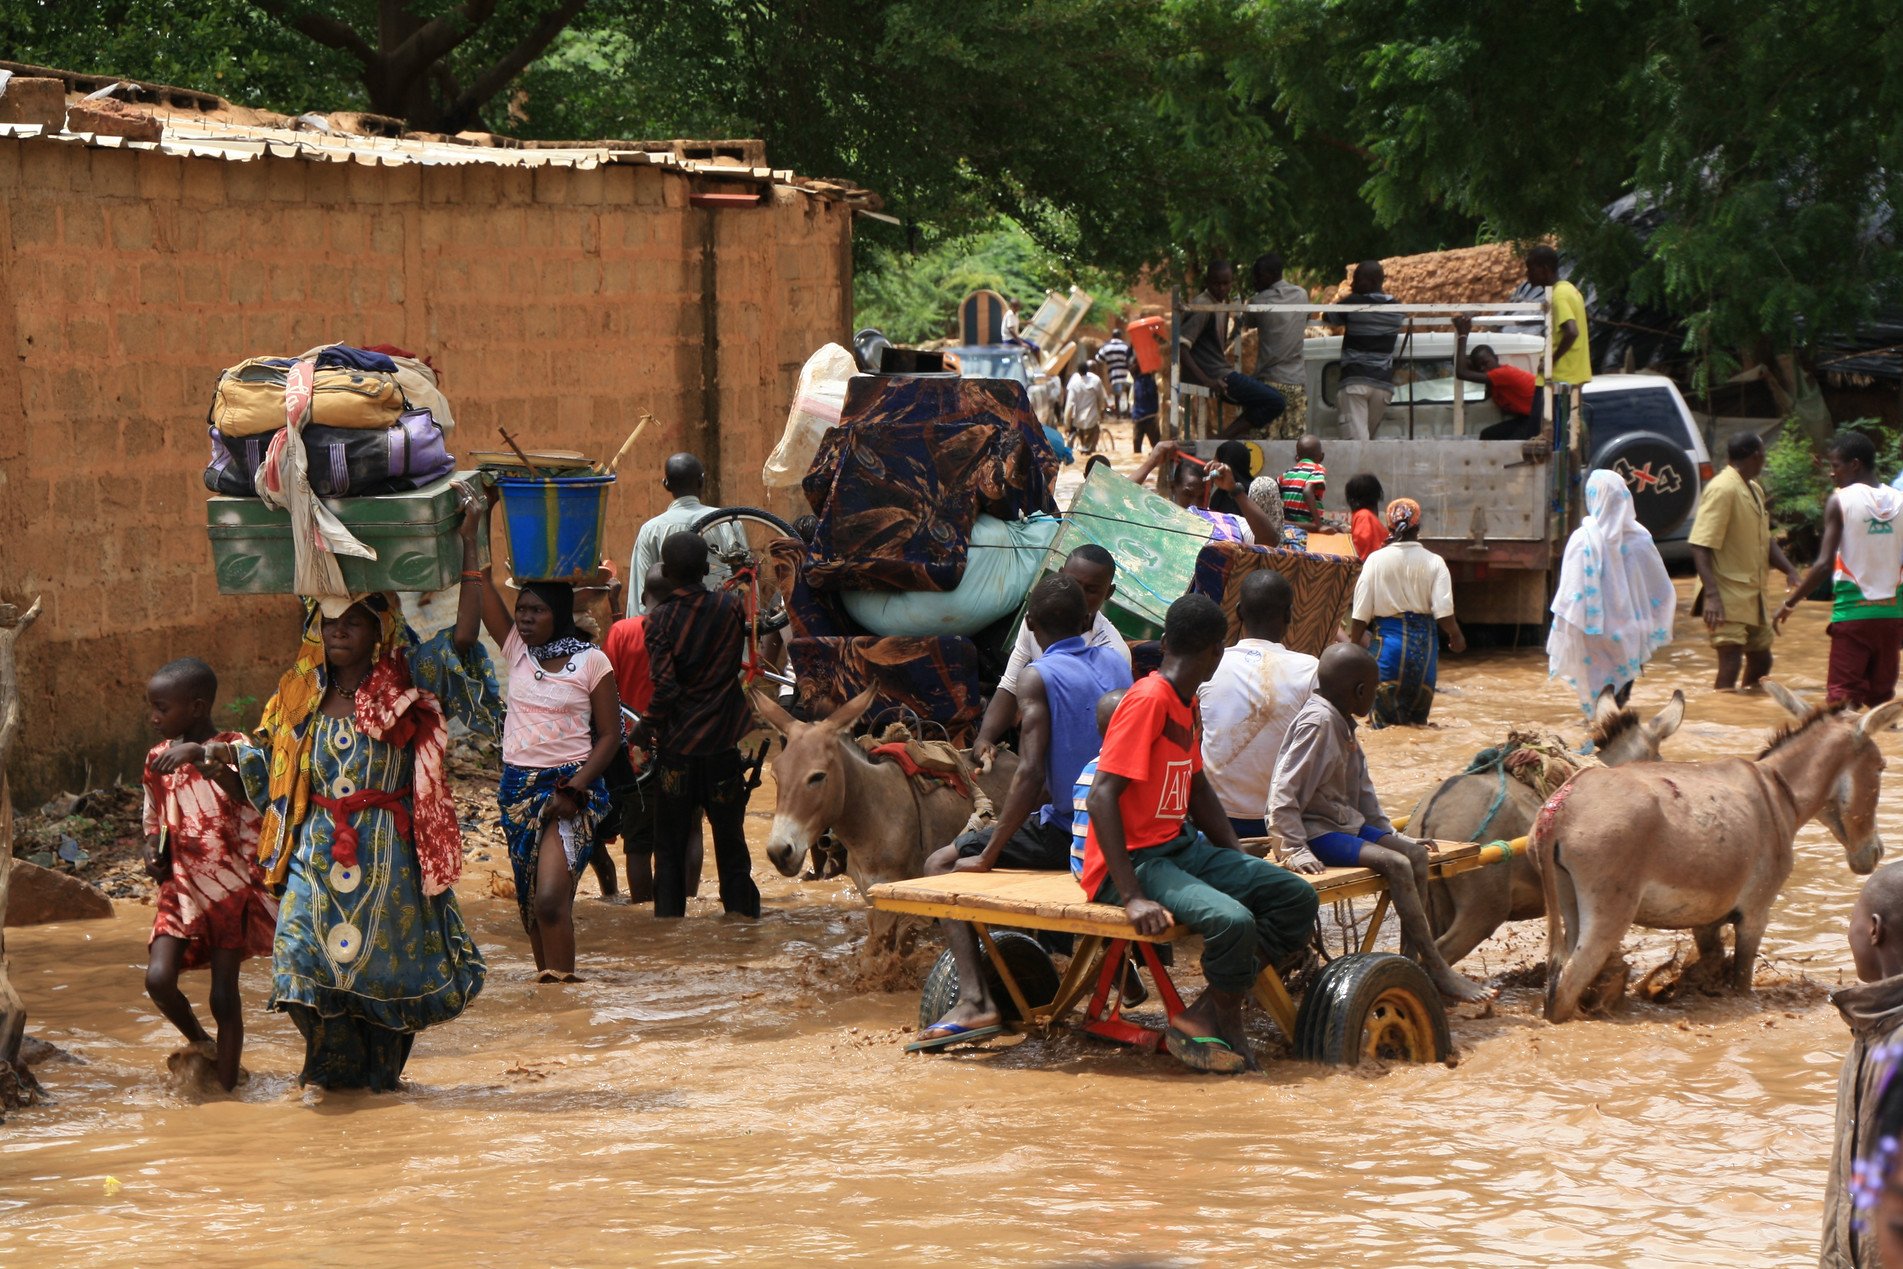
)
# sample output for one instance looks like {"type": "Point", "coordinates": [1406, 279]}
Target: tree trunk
{"type": "Point", "coordinates": [17, 1085]}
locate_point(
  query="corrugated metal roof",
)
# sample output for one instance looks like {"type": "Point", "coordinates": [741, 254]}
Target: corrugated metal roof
{"type": "Point", "coordinates": [193, 137]}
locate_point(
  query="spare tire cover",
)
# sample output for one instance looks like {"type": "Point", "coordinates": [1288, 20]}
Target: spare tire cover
{"type": "Point", "coordinates": [1662, 477]}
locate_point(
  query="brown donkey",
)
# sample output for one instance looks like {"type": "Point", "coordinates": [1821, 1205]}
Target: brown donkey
{"type": "Point", "coordinates": [1467, 908]}
{"type": "Point", "coordinates": [1698, 846]}
{"type": "Point", "coordinates": [887, 823]}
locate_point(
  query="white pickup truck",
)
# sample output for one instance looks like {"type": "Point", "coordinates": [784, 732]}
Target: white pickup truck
{"type": "Point", "coordinates": [1499, 519]}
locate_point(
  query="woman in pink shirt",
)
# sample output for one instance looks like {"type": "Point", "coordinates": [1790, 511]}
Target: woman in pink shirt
{"type": "Point", "coordinates": [562, 730]}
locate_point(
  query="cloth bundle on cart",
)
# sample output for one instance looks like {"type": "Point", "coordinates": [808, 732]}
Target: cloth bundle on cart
{"type": "Point", "coordinates": [898, 485]}
{"type": "Point", "coordinates": [1324, 586]}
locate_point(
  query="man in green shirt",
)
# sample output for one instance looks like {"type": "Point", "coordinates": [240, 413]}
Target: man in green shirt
{"type": "Point", "coordinates": [1733, 551]}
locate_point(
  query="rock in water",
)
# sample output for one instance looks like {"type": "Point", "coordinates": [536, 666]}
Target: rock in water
{"type": "Point", "coordinates": [41, 895]}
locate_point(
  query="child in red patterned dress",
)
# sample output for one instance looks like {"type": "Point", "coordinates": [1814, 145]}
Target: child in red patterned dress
{"type": "Point", "coordinates": [201, 845]}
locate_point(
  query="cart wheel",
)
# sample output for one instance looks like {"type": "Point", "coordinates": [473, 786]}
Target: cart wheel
{"type": "Point", "coordinates": [1372, 1005]}
{"type": "Point", "coordinates": [1030, 964]}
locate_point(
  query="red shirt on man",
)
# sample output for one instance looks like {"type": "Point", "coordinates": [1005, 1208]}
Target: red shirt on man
{"type": "Point", "coordinates": [1155, 741]}
{"type": "Point", "coordinates": [1512, 389]}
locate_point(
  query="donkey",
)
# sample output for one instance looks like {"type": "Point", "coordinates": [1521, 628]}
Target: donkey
{"type": "Point", "coordinates": [887, 822]}
{"type": "Point", "coordinates": [1469, 907]}
{"type": "Point", "coordinates": [1698, 846]}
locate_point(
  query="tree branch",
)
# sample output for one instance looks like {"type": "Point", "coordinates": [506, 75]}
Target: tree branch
{"type": "Point", "coordinates": [436, 38]}
{"type": "Point", "coordinates": [493, 80]}
{"type": "Point", "coordinates": [327, 31]}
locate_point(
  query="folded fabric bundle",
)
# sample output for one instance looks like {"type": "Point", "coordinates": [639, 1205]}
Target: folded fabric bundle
{"type": "Point", "coordinates": [937, 679]}
{"type": "Point", "coordinates": [898, 485]}
{"type": "Point", "coordinates": [1324, 586]}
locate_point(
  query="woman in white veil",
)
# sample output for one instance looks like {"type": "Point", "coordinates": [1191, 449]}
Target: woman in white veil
{"type": "Point", "coordinates": [1615, 603]}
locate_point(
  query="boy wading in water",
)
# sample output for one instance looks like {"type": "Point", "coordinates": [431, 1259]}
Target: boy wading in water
{"type": "Point", "coordinates": [201, 846]}
{"type": "Point", "coordinates": [1325, 810]}
{"type": "Point", "coordinates": [1140, 853]}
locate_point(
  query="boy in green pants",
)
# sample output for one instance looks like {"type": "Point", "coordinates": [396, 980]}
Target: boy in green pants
{"type": "Point", "coordinates": [1141, 853]}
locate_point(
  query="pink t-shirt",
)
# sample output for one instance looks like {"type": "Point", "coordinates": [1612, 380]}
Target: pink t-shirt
{"type": "Point", "coordinates": [549, 714]}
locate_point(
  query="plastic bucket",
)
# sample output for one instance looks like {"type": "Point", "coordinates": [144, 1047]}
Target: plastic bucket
{"type": "Point", "coordinates": [555, 525]}
{"type": "Point", "coordinates": [1146, 335]}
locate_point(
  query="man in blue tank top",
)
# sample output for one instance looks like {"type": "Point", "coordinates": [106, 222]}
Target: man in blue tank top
{"type": "Point", "coordinates": [1057, 735]}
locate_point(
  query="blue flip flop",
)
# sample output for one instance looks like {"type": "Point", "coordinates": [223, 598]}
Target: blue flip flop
{"type": "Point", "coordinates": [953, 1034]}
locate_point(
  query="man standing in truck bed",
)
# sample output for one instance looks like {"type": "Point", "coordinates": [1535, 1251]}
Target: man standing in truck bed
{"type": "Point", "coordinates": [1368, 337]}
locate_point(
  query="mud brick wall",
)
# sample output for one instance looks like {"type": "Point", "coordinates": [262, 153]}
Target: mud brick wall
{"type": "Point", "coordinates": [561, 303]}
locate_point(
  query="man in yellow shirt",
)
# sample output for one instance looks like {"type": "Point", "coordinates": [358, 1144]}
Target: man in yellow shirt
{"type": "Point", "coordinates": [1572, 354]}
{"type": "Point", "coordinates": [1732, 549]}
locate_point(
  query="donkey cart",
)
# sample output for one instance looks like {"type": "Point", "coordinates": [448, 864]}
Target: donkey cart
{"type": "Point", "coordinates": [1365, 1004]}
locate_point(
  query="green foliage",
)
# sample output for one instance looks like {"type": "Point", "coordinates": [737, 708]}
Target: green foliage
{"type": "Point", "coordinates": [217, 46]}
{"type": "Point", "coordinates": [1761, 140]}
{"type": "Point", "coordinates": [1794, 482]}
{"type": "Point", "coordinates": [915, 297]}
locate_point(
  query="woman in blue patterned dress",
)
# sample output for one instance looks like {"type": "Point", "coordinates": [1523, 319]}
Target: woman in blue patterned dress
{"type": "Point", "coordinates": [360, 834]}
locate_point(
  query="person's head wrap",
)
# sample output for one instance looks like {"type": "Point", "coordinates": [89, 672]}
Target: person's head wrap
{"type": "Point", "coordinates": [1240, 459]}
{"type": "Point", "coordinates": [386, 706]}
{"type": "Point", "coordinates": [1403, 514]}
{"type": "Point", "coordinates": [566, 640]}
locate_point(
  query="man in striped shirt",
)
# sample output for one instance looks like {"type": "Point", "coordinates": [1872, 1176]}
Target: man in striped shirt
{"type": "Point", "coordinates": [693, 725]}
{"type": "Point", "coordinates": [1368, 339]}
{"type": "Point", "coordinates": [1115, 357]}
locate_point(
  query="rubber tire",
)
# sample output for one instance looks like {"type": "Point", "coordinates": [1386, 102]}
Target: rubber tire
{"type": "Point", "coordinates": [718, 514]}
{"type": "Point", "coordinates": [1329, 1026]}
{"type": "Point", "coordinates": [774, 620]}
{"type": "Point", "coordinates": [1659, 511]}
{"type": "Point", "coordinates": [1030, 964]}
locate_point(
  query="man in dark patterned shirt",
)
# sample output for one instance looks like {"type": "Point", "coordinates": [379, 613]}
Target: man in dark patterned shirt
{"type": "Point", "coordinates": [694, 723]}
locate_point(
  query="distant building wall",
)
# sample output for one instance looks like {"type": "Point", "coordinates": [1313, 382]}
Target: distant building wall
{"type": "Point", "coordinates": [560, 302]}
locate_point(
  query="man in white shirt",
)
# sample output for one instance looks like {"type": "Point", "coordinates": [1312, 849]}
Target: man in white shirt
{"type": "Point", "coordinates": [1248, 704]}
{"type": "Point", "coordinates": [1084, 403]}
{"type": "Point", "coordinates": [1094, 569]}
{"type": "Point", "coordinates": [684, 477]}
{"type": "Point", "coordinates": [1403, 594]}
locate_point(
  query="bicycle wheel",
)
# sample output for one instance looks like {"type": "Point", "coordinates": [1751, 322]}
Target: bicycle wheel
{"type": "Point", "coordinates": [738, 538]}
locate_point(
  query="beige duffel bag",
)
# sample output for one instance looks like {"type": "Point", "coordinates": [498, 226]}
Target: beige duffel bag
{"type": "Point", "coordinates": [249, 399]}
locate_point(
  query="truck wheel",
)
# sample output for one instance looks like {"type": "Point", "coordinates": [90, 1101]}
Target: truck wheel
{"type": "Point", "coordinates": [1372, 1005]}
{"type": "Point", "coordinates": [1030, 964]}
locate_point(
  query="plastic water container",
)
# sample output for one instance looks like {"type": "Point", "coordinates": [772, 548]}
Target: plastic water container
{"type": "Point", "coordinates": [555, 525]}
{"type": "Point", "coordinates": [1146, 336]}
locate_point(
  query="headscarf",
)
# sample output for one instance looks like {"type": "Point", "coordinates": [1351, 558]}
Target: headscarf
{"type": "Point", "coordinates": [1615, 603]}
{"type": "Point", "coordinates": [1403, 514]}
{"type": "Point", "coordinates": [388, 707]}
{"type": "Point", "coordinates": [567, 641]}
{"type": "Point", "coordinates": [1238, 458]}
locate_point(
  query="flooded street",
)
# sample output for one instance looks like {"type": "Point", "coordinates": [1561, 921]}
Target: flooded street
{"type": "Point", "coordinates": [718, 1092]}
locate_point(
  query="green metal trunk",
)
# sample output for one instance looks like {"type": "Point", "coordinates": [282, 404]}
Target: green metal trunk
{"type": "Point", "coordinates": [413, 534]}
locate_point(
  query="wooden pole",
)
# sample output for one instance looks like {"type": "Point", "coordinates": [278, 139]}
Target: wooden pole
{"type": "Point", "coordinates": [17, 1085]}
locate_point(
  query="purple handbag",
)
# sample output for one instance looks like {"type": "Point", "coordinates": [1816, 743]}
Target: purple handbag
{"type": "Point", "coordinates": [343, 462]}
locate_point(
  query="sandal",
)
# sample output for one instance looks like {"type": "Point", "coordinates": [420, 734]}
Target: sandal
{"type": "Point", "coordinates": [1208, 1053]}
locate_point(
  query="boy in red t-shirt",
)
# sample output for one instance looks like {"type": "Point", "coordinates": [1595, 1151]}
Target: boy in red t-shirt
{"type": "Point", "coordinates": [1141, 853]}
{"type": "Point", "coordinates": [1514, 390]}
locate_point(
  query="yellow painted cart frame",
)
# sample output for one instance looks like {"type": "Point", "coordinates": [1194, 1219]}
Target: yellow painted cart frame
{"type": "Point", "coordinates": [1008, 898]}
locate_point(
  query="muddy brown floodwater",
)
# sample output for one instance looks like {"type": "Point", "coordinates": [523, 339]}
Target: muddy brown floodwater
{"type": "Point", "coordinates": [719, 1092]}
